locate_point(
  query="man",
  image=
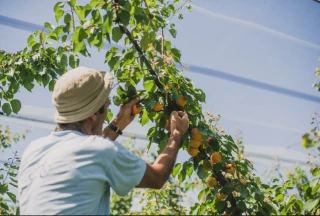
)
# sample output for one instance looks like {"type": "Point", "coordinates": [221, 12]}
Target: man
{"type": "Point", "coordinates": [71, 170]}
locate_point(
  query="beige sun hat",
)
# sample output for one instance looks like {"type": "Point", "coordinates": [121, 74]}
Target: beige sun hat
{"type": "Point", "coordinates": [79, 93]}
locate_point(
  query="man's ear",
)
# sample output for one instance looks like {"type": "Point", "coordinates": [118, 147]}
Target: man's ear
{"type": "Point", "coordinates": [93, 117]}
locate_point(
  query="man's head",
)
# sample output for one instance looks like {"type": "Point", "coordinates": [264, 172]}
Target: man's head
{"type": "Point", "coordinates": [81, 97]}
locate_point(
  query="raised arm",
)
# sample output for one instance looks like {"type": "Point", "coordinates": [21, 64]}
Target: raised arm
{"type": "Point", "coordinates": [158, 173]}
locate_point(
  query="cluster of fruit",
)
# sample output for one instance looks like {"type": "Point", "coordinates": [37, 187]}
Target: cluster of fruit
{"type": "Point", "coordinates": [182, 101]}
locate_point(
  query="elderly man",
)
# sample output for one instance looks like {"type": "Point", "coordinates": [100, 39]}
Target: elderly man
{"type": "Point", "coordinates": [71, 170]}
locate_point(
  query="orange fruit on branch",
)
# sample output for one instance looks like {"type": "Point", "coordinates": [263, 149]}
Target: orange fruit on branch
{"type": "Point", "coordinates": [211, 181]}
{"type": "Point", "coordinates": [135, 109]}
{"type": "Point", "coordinates": [169, 88]}
{"type": "Point", "coordinates": [221, 196]}
{"type": "Point", "coordinates": [230, 168]}
{"type": "Point", "coordinates": [195, 134]}
{"type": "Point", "coordinates": [195, 143]}
{"type": "Point", "coordinates": [193, 151]}
{"type": "Point", "coordinates": [244, 182]}
{"type": "Point", "coordinates": [215, 157]}
{"type": "Point", "coordinates": [181, 101]}
{"type": "Point", "coordinates": [158, 107]}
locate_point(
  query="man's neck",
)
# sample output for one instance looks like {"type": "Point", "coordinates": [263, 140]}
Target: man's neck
{"type": "Point", "coordinates": [73, 126]}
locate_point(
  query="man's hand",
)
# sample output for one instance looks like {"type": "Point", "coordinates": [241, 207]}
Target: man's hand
{"type": "Point", "coordinates": [125, 116]}
{"type": "Point", "coordinates": [179, 123]}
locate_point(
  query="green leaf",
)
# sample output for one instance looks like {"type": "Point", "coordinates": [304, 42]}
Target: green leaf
{"type": "Point", "coordinates": [59, 31]}
{"type": "Point", "coordinates": [280, 197]}
{"type": "Point", "coordinates": [67, 18]}
{"type": "Point", "coordinates": [51, 85]}
{"type": "Point", "coordinates": [182, 176]}
{"type": "Point", "coordinates": [12, 197]}
{"type": "Point", "coordinates": [78, 46]}
{"type": "Point", "coordinates": [45, 79]}
{"type": "Point", "coordinates": [108, 23]}
{"type": "Point", "coordinates": [73, 2]}
{"type": "Point", "coordinates": [148, 85]}
{"type": "Point", "coordinates": [116, 34]}
{"type": "Point", "coordinates": [242, 205]}
{"type": "Point", "coordinates": [315, 171]}
{"type": "Point", "coordinates": [200, 195]}
{"type": "Point", "coordinates": [16, 105]}
{"type": "Point", "coordinates": [74, 61]}
{"type": "Point", "coordinates": [299, 205]}
{"type": "Point", "coordinates": [111, 52]}
{"type": "Point", "coordinates": [189, 7]}
{"type": "Point", "coordinates": [290, 202]}
{"type": "Point", "coordinates": [114, 63]}
{"type": "Point", "coordinates": [96, 17]}
{"type": "Point", "coordinates": [200, 172]}
{"type": "Point", "coordinates": [311, 204]}
{"type": "Point", "coordinates": [14, 180]}
{"type": "Point", "coordinates": [124, 17]}
{"type": "Point", "coordinates": [28, 85]}
{"type": "Point", "coordinates": [31, 40]}
{"type": "Point", "coordinates": [144, 118]}
{"type": "Point", "coordinates": [176, 54]}
{"type": "Point", "coordinates": [3, 188]}
{"type": "Point", "coordinates": [219, 205]}
{"type": "Point", "coordinates": [4, 206]}
{"type": "Point", "coordinates": [64, 38]}
{"type": "Point", "coordinates": [58, 6]}
{"type": "Point", "coordinates": [43, 37]}
{"type": "Point", "coordinates": [176, 170]}
{"type": "Point", "coordinates": [58, 14]}
{"type": "Point", "coordinates": [173, 32]}
{"type": "Point", "coordinates": [144, 43]}
{"type": "Point", "coordinates": [48, 25]}
{"type": "Point", "coordinates": [199, 95]}
{"type": "Point", "coordinates": [6, 108]}
{"type": "Point", "coordinates": [109, 115]}
{"type": "Point", "coordinates": [189, 169]}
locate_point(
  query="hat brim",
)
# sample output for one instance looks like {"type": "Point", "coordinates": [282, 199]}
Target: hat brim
{"type": "Point", "coordinates": [90, 109]}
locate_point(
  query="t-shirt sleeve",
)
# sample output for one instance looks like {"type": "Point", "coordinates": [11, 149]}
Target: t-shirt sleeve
{"type": "Point", "coordinates": [126, 170]}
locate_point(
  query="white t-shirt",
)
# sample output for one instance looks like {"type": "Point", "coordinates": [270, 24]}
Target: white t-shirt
{"type": "Point", "coordinates": [71, 173]}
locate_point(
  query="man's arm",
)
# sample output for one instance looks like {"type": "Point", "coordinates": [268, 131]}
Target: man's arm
{"type": "Point", "coordinates": [122, 120]}
{"type": "Point", "coordinates": [158, 173]}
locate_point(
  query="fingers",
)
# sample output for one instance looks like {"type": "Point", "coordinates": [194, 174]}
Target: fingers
{"type": "Point", "coordinates": [133, 101]}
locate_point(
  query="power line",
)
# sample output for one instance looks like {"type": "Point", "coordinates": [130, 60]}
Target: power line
{"type": "Point", "coordinates": [31, 27]}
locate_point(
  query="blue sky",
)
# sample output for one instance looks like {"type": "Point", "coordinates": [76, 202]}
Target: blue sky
{"type": "Point", "coordinates": [272, 42]}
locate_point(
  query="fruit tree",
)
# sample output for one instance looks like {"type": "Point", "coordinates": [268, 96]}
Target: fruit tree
{"type": "Point", "coordinates": [144, 63]}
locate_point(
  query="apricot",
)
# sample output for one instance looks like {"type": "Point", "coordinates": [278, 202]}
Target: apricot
{"type": "Point", "coordinates": [244, 182]}
{"type": "Point", "coordinates": [158, 107]}
{"type": "Point", "coordinates": [211, 181]}
{"type": "Point", "coordinates": [221, 196]}
{"type": "Point", "coordinates": [230, 168]}
{"type": "Point", "coordinates": [193, 151]}
{"type": "Point", "coordinates": [195, 143]}
{"type": "Point", "coordinates": [181, 101]}
{"type": "Point", "coordinates": [195, 134]}
{"type": "Point", "coordinates": [215, 157]}
{"type": "Point", "coordinates": [135, 109]}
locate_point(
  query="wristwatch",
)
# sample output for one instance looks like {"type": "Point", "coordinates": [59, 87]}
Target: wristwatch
{"type": "Point", "coordinates": [115, 129]}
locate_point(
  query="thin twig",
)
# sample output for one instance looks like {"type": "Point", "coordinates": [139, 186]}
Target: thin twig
{"type": "Point", "coordinates": [4, 180]}
{"type": "Point", "coordinates": [174, 13]}
{"type": "Point", "coordinates": [162, 47]}
{"type": "Point", "coordinates": [73, 21]}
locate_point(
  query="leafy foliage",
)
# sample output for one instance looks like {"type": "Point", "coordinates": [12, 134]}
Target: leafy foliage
{"type": "Point", "coordinates": [144, 57]}
{"type": "Point", "coordinates": [8, 177]}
